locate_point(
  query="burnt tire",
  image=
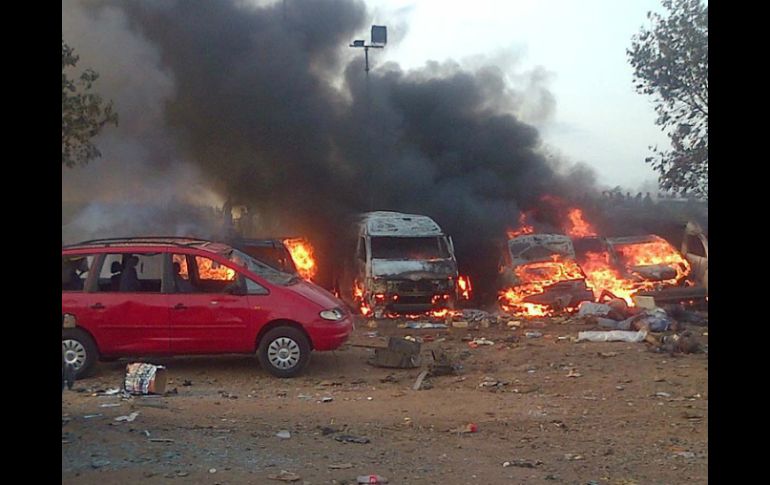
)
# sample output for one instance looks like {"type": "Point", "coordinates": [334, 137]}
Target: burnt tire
{"type": "Point", "coordinates": [284, 351]}
{"type": "Point", "coordinates": [79, 350]}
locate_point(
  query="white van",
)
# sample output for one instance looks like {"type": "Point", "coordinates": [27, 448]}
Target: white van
{"type": "Point", "coordinates": [403, 263]}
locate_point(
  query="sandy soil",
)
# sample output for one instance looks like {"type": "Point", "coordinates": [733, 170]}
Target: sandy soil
{"type": "Point", "coordinates": [615, 413]}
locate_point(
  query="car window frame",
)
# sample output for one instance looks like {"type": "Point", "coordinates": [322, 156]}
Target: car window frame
{"type": "Point", "coordinates": [90, 280]}
{"type": "Point", "coordinates": [192, 268]}
{"type": "Point", "coordinates": [164, 269]}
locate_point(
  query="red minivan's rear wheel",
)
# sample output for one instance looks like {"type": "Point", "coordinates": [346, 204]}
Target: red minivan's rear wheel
{"type": "Point", "coordinates": [284, 351]}
{"type": "Point", "coordinates": [79, 351]}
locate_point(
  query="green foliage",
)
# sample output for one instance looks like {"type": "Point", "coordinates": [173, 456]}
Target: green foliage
{"type": "Point", "coordinates": [670, 62]}
{"type": "Point", "coordinates": [83, 113]}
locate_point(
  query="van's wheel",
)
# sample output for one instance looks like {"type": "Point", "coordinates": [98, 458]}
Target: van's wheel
{"type": "Point", "coordinates": [79, 351]}
{"type": "Point", "coordinates": [284, 351]}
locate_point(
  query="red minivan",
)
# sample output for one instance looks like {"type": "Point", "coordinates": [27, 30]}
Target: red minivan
{"type": "Point", "coordinates": [169, 296]}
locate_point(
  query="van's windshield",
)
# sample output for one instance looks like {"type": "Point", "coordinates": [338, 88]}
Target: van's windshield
{"type": "Point", "coordinates": [419, 248]}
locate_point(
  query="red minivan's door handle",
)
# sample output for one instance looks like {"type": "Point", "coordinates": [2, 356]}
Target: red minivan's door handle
{"type": "Point", "coordinates": [97, 306]}
{"type": "Point", "coordinates": [180, 306]}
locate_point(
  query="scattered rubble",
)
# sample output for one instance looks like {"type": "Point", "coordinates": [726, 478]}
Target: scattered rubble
{"type": "Point", "coordinates": [285, 476]}
{"type": "Point", "coordinates": [347, 438]}
{"type": "Point", "coordinates": [613, 336]}
{"type": "Point", "coordinates": [400, 353]}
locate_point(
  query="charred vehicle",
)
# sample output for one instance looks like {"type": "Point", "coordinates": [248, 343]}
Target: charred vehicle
{"type": "Point", "coordinates": [403, 263]}
{"type": "Point", "coordinates": [538, 274]}
{"type": "Point", "coordinates": [695, 247]}
{"type": "Point", "coordinates": [646, 265]}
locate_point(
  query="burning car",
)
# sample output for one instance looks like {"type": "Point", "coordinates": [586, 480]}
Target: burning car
{"type": "Point", "coordinates": [539, 274]}
{"type": "Point", "coordinates": [404, 263]}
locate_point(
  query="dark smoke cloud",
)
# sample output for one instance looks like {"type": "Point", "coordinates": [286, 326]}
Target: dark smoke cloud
{"type": "Point", "coordinates": [273, 110]}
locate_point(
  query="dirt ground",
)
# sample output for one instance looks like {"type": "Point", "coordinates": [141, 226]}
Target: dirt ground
{"type": "Point", "coordinates": [570, 412]}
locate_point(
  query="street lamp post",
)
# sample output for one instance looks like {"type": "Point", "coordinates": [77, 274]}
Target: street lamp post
{"type": "Point", "coordinates": [379, 38]}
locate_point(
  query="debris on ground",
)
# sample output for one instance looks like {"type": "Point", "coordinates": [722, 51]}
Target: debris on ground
{"type": "Point", "coordinates": [589, 308]}
{"type": "Point", "coordinates": [340, 466]}
{"type": "Point", "coordinates": [682, 343]}
{"type": "Point", "coordinates": [414, 325]}
{"type": "Point", "coordinates": [144, 378]}
{"type": "Point", "coordinates": [479, 341]}
{"type": "Point", "coordinates": [349, 438]}
{"type": "Point", "coordinates": [129, 418]}
{"type": "Point", "coordinates": [420, 378]}
{"type": "Point", "coordinates": [572, 457]}
{"type": "Point", "coordinates": [285, 476]}
{"type": "Point", "coordinates": [443, 364]}
{"type": "Point", "coordinates": [612, 336]}
{"type": "Point", "coordinates": [522, 463]}
{"type": "Point", "coordinates": [371, 479]}
{"type": "Point", "coordinates": [533, 334]}
{"type": "Point", "coordinates": [283, 434]}
{"type": "Point", "coordinates": [400, 353]}
{"type": "Point", "coordinates": [655, 320]}
{"type": "Point", "coordinates": [466, 428]}
{"type": "Point", "coordinates": [493, 383]}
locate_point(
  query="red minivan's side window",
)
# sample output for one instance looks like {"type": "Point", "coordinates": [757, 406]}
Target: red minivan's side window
{"type": "Point", "coordinates": [131, 273]}
{"type": "Point", "coordinates": [74, 271]}
{"type": "Point", "coordinates": [212, 276]}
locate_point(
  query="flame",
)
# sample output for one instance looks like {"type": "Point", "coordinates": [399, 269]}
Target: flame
{"type": "Point", "coordinates": [524, 228]}
{"type": "Point", "coordinates": [603, 277]}
{"type": "Point", "coordinates": [464, 285]}
{"type": "Point", "coordinates": [302, 253]}
{"type": "Point", "coordinates": [533, 279]}
{"type": "Point", "coordinates": [358, 297]}
{"type": "Point", "coordinates": [211, 270]}
{"type": "Point", "coordinates": [577, 226]}
{"type": "Point", "coordinates": [602, 274]}
{"type": "Point", "coordinates": [655, 252]}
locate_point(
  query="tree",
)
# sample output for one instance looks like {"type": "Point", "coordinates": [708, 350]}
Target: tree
{"type": "Point", "coordinates": [670, 62]}
{"type": "Point", "coordinates": [83, 113]}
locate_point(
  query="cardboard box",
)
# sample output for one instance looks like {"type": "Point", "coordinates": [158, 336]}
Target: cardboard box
{"type": "Point", "coordinates": [144, 378]}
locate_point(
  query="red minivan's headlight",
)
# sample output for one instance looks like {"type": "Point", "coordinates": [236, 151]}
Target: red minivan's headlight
{"type": "Point", "coordinates": [333, 314]}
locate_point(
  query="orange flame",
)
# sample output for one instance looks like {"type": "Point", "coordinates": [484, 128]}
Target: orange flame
{"type": "Point", "coordinates": [533, 279]}
{"type": "Point", "coordinates": [358, 297]}
{"type": "Point", "coordinates": [464, 285]}
{"type": "Point", "coordinates": [302, 253]}
{"type": "Point", "coordinates": [524, 228]}
{"type": "Point", "coordinates": [211, 270]}
{"type": "Point", "coordinates": [578, 227]}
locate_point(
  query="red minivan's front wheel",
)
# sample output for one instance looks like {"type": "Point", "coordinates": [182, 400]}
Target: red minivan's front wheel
{"type": "Point", "coordinates": [79, 351]}
{"type": "Point", "coordinates": [284, 351]}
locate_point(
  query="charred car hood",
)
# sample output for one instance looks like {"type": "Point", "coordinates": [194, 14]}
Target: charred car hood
{"type": "Point", "coordinates": [316, 294]}
{"type": "Point", "coordinates": [413, 270]}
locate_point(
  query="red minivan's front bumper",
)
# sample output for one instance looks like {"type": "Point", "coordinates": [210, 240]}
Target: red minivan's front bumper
{"type": "Point", "coordinates": [328, 335]}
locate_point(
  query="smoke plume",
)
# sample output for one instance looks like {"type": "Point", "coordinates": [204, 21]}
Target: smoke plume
{"type": "Point", "coordinates": [266, 105]}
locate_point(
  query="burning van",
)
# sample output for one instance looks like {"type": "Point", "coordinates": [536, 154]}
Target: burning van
{"type": "Point", "coordinates": [646, 265]}
{"type": "Point", "coordinates": [539, 274]}
{"type": "Point", "coordinates": [404, 263]}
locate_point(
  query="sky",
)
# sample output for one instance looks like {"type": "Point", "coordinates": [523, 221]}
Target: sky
{"type": "Point", "coordinates": [577, 47]}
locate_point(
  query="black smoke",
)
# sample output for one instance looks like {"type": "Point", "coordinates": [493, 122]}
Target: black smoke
{"type": "Point", "coordinates": [276, 112]}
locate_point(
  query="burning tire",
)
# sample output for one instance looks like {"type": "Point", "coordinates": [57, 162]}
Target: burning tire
{"type": "Point", "coordinates": [79, 351]}
{"type": "Point", "coordinates": [284, 351]}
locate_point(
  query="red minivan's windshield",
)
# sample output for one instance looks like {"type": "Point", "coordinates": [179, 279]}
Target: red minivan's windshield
{"type": "Point", "coordinates": [271, 274]}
